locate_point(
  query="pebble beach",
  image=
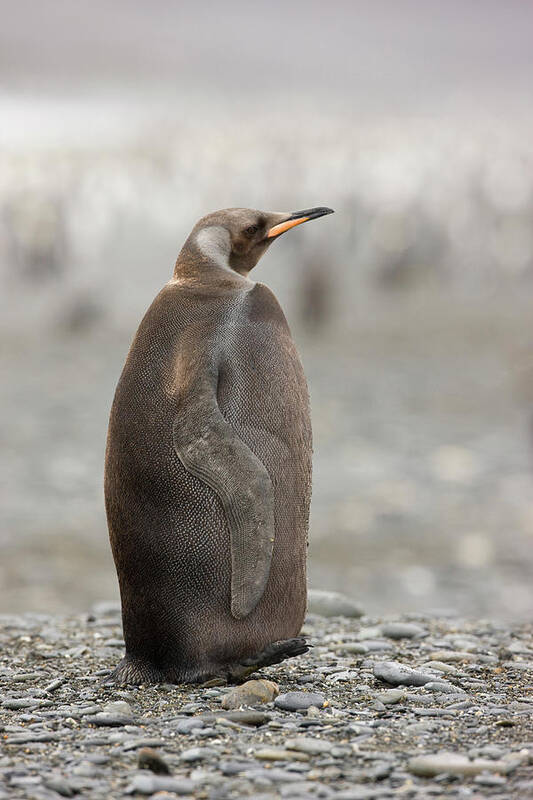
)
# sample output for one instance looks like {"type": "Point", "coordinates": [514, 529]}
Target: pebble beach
{"type": "Point", "coordinates": [414, 706]}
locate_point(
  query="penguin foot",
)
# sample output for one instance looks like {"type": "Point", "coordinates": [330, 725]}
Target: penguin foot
{"type": "Point", "coordinates": [135, 672]}
{"type": "Point", "coordinates": [273, 653]}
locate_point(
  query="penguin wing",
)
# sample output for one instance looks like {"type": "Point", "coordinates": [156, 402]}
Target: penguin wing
{"type": "Point", "coordinates": [209, 449]}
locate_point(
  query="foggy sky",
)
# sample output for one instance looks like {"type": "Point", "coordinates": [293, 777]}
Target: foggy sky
{"type": "Point", "coordinates": [374, 55]}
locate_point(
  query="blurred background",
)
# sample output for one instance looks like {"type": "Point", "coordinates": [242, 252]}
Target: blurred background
{"type": "Point", "coordinates": [122, 122]}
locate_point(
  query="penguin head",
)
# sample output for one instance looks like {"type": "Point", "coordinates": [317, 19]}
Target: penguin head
{"type": "Point", "coordinates": [236, 238]}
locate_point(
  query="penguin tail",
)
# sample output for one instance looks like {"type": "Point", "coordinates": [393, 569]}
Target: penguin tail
{"type": "Point", "coordinates": [273, 653]}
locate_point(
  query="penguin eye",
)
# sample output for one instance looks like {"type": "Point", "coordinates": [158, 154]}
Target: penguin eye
{"type": "Point", "coordinates": [252, 230]}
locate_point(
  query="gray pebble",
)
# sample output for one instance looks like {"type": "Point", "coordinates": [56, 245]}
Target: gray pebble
{"type": "Point", "coordinates": [118, 707]}
{"type": "Point", "coordinates": [51, 687]}
{"type": "Point", "coordinates": [403, 630]}
{"type": "Point", "coordinates": [26, 738]}
{"type": "Point", "coordinates": [186, 726]}
{"type": "Point", "coordinates": [209, 733]}
{"type": "Point", "coordinates": [342, 676]}
{"type": "Point", "coordinates": [14, 704]}
{"type": "Point", "coordinates": [112, 720]}
{"type": "Point", "coordinates": [440, 666]}
{"type": "Point", "coordinates": [233, 767]}
{"type": "Point", "coordinates": [377, 645]}
{"type": "Point", "coordinates": [85, 770]}
{"type": "Point", "coordinates": [303, 789]}
{"type": "Point", "coordinates": [391, 696]}
{"type": "Point", "coordinates": [250, 718]}
{"type": "Point", "coordinates": [299, 701]}
{"type": "Point", "coordinates": [149, 784]}
{"type": "Point", "coordinates": [353, 647]}
{"type": "Point", "coordinates": [451, 763]}
{"type": "Point", "coordinates": [135, 744]}
{"type": "Point", "coordinates": [443, 686]}
{"type": "Point", "coordinates": [58, 784]}
{"type": "Point", "coordinates": [24, 677]}
{"type": "Point", "coordinates": [490, 780]}
{"type": "Point", "coordinates": [399, 674]}
{"type": "Point", "coordinates": [274, 775]}
{"type": "Point", "coordinates": [306, 744]}
{"type": "Point", "coordinates": [198, 754]}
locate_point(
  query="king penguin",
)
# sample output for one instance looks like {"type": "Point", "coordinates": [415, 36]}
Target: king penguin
{"type": "Point", "coordinates": [208, 466]}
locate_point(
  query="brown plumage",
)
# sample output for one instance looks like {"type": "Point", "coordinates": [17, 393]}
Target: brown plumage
{"type": "Point", "coordinates": [208, 466]}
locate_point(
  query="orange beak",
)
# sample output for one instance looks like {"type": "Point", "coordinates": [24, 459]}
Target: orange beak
{"type": "Point", "coordinates": [285, 226]}
{"type": "Point", "coordinates": [296, 219]}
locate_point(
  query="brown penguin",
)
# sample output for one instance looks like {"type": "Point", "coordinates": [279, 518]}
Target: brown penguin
{"type": "Point", "coordinates": [208, 466]}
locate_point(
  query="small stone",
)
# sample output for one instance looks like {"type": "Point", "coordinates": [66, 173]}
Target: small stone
{"type": "Point", "coordinates": [104, 719]}
{"type": "Point", "coordinates": [452, 656]}
{"type": "Point", "coordinates": [198, 754]}
{"type": "Point", "coordinates": [24, 677]}
{"type": "Point", "coordinates": [186, 726]}
{"type": "Point", "coordinates": [332, 604]}
{"type": "Point", "coordinates": [361, 730]}
{"type": "Point", "coordinates": [379, 771]}
{"type": "Point", "coordinates": [250, 693]}
{"type": "Point", "coordinates": [149, 784]}
{"type": "Point", "coordinates": [252, 718]}
{"type": "Point", "coordinates": [306, 744]}
{"type": "Point", "coordinates": [26, 738]}
{"type": "Point", "coordinates": [399, 674]}
{"type": "Point", "coordinates": [440, 666]}
{"type": "Point", "coordinates": [279, 754]}
{"type": "Point", "coordinates": [391, 696]}
{"type": "Point", "coordinates": [210, 733]}
{"type": "Point", "coordinates": [233, 767]}
{"type": "Point", "coordinates": [371, 633]}
{"type": "Point", "coordinates": [150, 759]}
{"type": "Point", "coordinates": [453, 763]}
{"type": "Point", "coordinates": [85, 770]}
{"type": "Point", "coordinates": [137, 744]}
{"type": "Point", "coordinates": [402, 630]}
{"type": "Point", "coordinates": [377, 645]}
{"type": "Point", "coordinates": [341, 751]}
{"type": "Point", "coordinates": [344, 676]}
{"type": "Point", "coordinates": [299, 701]}
{"type": "Point", "coordinates": [118, 707]}
{"type": "Point", "coordinates": [58, 784]}
{"type": "Point", "coordinates": [51, 687]}
{"type": "Point", "coordinates": [16, 704]}
{"type": "Point", "coordinates": [261, 776]}
{"type": "Point", "coordinates": [443, 686]}
{"type": "Point", "coordinates": [490, 780]}
{"type": "Point", "coordinates": [353, 647]}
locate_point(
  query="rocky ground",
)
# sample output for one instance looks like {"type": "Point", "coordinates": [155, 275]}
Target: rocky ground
{"type": "Point", "coordinates": [418, 707]}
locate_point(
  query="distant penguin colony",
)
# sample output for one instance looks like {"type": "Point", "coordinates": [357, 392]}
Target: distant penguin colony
{"type": "Point", "coordinates": [208, 466]}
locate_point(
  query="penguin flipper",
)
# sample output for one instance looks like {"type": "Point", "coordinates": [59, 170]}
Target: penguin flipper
{"type": "Point", "coordinates": [209, 449]}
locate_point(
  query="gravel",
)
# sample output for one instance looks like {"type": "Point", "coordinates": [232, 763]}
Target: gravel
{"type": "Point", "coordinates": [450, 716]}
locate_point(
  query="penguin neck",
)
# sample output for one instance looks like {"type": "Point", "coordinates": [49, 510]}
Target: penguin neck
{"type": "Point", "coordinates": [204, 259]}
